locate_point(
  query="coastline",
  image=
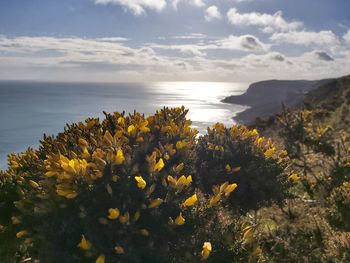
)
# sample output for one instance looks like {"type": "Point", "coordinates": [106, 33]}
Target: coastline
{"type": "Point", "coordinates": [265, 98]}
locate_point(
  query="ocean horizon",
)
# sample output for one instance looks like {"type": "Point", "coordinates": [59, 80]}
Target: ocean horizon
{"type": "Point", "coordinates": [29, 109]}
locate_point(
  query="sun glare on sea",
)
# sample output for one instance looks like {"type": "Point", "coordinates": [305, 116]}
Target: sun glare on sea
{"type": "Point", "coordinates": [203, 99]}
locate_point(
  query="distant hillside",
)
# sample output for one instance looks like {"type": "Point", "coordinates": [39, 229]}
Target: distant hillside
{"type": "Point", "coordinates": [333, 98]}
{"type": "Point", "coordinates": [266, 97]}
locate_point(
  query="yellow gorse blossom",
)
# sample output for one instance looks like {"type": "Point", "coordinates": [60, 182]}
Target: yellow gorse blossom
{"type": "Point", "coordinates": [229, 189]}
{"type": "Point", "coordinates": [270, 152]}
{"type": "Point", "coordinates": [132, 130]}
{"type": "Point", "coordinates": [33, 184]}
{"type": "Point", "coordinates": [181, 144]}
{"type": "Point", "coordinates": [141, 183]}
{"type": "Point", "coordinates": [180, 220]}
{"type": "Point", "coordinates": [84, 243]}
{"type": "Point", "coordinates": [121, 121]}
{"type": "Point", "coordinates": [214, 200]}
{"type": "Point", "coordinates": [190, 201]}
{"type": "Point", "coordinates": [143, 127]}
{"type": "Point", "coordinates": [155, 203]}
{"type": "Point", "coordinates": [294, 177]}
{"type": "Point", "coordinates": [206, 250]}
{"type": "Point", "coordinates": [182, 182]}
{"type": "Point", "coordinates": [113, 213]}
{"type": "Point", "coordinates": [67, 193]}
{"type": "Point", "coordinates": [119, 157]}
{"type": "Point", "coordinates": [100, 259]}
{"type": "Point", "coordinates": [248, 235]}
{"type": "Point", "coordinates": [159, 165]}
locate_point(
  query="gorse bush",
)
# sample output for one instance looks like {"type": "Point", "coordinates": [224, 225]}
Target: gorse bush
{"type": "Point", "coordinates": [138, 189]}
{"type": "Point", "coordinates": [241, 156]}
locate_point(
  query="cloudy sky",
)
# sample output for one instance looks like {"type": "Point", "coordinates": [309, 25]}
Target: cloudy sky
{"type": "Point", "coordinates": [174, 40]}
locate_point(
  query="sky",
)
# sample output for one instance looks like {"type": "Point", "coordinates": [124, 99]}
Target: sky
{"type": "Point", "coordinates": [173, 40]}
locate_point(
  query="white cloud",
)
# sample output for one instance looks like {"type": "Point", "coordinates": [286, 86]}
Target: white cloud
{"type": "Point", "coordinates": [269, 23]}
{"type": "Point", "coordinates": [137, 7]}
{"type": "Point", "coordinates": [70, 58]}
{"type": "Point", "coordinates": [198, 3]}
{"type": "Point", "coordinates": [191, 36]}
{"type": "Point", "coordinates": [243, 43]}
{"type": "Point", "coordinates": [212, 13]}
{"type": "Point", "coordinates": [307, 38]}
{"type": "Point", "coordinates": [113, 39]}
{"type": "Point", "coordinates": [347, 37]}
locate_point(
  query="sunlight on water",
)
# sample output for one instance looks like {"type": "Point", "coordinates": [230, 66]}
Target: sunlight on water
{"type": "Point", "coordinates": [203, 99]}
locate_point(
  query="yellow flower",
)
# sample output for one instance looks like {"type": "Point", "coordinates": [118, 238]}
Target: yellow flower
{"type": "Point", "coordinates": [119, 157]}
{"type": "Point", "coordinates": [132, 130]}
{"type": "Point", "coordinates": [190, 201]}
{"type": "Point", "coordinates": [188, 180]}
{"type": "Point", "coordinates": [121, 121]}
{"type": "Point", "coordinates": [259, 141]}
{"type": "Point", "coordinates": [172, 181]}
{"type": "Point", "coordinates": [50, 173]}
{"type": "Point", "coordinates": [159, 165]}
{"type": "Point", "coordinates": [270, 152]}
{"type": "Point", "coordinates": [33, 184]}
{"type": "Point", "coordinates": [229, 189]}
{"type": "Point", "coordinates": [206, 250]}
{"type": "Point", "coordinates": [219, 127]}
{"type": "Point", "coordinates": [181, 144]}
{"type": "Point", "coordinates": [155, 203]}
{"type": "Point", "coordinates": [67, 193]}
{"type": "Point", "coordinates": [180, 220]}
{"type": "Point", "coordinates": [228, 168]}
{"type": "Point", "coordinates": [85, 154]}
{"type": "Point", "coordinates": [254, 133]}
{"type": "Point", "coordinates": [113, 213]}
{"type": "Point", "coordinates": [21, 234]}
{"type": "Point", "coordinates": [283, 153]}
{"type": "Point", "coordinates": [143, 127]}
{"type": "Point", "coordinates": [84, 244]}
{"type": "Point", "coordinates": [141, 183]}
{"type": "Point", "coordinates": [214, 200]}
{"type": "Point", "coordinates": [100, 259]}
{"type": "Point", "coordinates": [294, 177]}
{"type": "Point", "coordinates": [119, 250]}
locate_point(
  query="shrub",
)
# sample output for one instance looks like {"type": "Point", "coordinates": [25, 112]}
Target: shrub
{"type": "Point", "coordinates": [126, 190]}
{"type": "Point", "coordinates": [239, 155]}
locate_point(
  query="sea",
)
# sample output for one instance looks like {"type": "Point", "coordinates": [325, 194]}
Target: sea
{"type": "Point", "coordinates": [30, 109]}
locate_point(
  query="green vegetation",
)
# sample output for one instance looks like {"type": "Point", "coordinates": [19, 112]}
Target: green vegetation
{"type": "Point", "coordinates": [149, 189]}
{"type": "Point", "coordinates": [139, 189]}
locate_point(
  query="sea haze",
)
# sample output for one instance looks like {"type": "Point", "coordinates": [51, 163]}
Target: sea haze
{"type": "Point", "coordinates": [30, 109]}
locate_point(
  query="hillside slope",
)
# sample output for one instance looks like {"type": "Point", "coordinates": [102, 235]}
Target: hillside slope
{"type": "Point", "coordinates": [266, 97]}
